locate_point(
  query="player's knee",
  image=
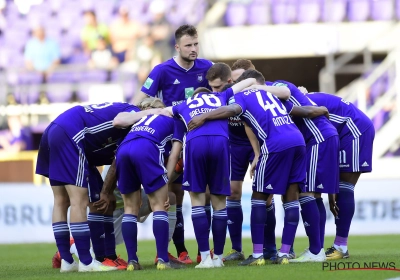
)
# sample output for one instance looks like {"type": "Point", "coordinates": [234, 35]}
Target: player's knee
{"type": "Point", "coordinates": [62, 202]}
{"type": "Point", "coordinates": [218, 202]}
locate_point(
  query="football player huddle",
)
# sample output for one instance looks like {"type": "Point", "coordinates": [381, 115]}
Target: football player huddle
{"type": "Point", "coordinates": [197, 126]}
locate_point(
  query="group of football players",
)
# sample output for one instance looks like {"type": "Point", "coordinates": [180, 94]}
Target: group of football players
{"type": "Point", "coordinates": [197, 126]}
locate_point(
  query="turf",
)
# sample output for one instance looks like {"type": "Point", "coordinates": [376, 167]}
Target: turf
{"type": "Point", "coordinates": [33, 261]}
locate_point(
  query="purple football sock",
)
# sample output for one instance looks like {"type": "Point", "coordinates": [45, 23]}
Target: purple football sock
{"type": "Point", "coordinates": [291, 221]}
{"type": "Point", "coordinates": [346, 205]}
{"type": "Point", "coordinates": [160, 231]}
{"type": "Point", "coordinates": [97, 235]}
{"type": "Point", "coordinates": [322, 219]}
{"type": "Point", "coordinates": [269, 229]}
{"type": "Point", "coordinates": [257, 222]}
{"type": "Point", "coordinates": [311, 220]}
{"type": "Point", "coordinates": [235, 221]}
{"type": "Point", "coordinates": [200, 225]}
{"type": "Point", "coordinates": [129, 233]}
{"type": "Point", "coordinates": [219, 224]}
{"type": "Point", "coordinates": [81, 234]}
{"type": "Point", "coordinates": [61, 234]}
{"type": "Point", "coordinates": [109, 238]}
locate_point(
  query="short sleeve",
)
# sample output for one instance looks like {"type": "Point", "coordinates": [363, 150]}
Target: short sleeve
{"type": "Point", "coordinates": [228, 94]}
{"type": "Point", "coordinates": [238, 99]}
{"type": "Point", "coordinates": [176, 110]}
{"type": "Point", "coordinates": [288, 105]}
{"type": "Point", "coordinates": [179, 130]}
{"type": "Point", "coordinates": [152, 83]}
{"type": "Point", "coordinates": [132, 109]}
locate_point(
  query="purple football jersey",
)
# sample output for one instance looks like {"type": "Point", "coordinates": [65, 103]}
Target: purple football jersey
{"type": "Point", "coordinates": [200, 104]}
{"type": "Point", "coordinates": [347, 118]}
{"type": "Point", "coordinates": [317, 129]}
{"type": "Point", "coordinates": [268, 118]}
{"type": "Point", "coordinates": [174, 84]}
{"type": "Point", "coordinates": [92, 124]}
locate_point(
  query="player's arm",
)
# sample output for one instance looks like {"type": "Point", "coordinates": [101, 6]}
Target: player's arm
{"type": "Point", "coordinates": [309, 111]}
{"type": "Point", "coordinates": [139, 96]}
{"type": "Point", "coordinates": [243, 84]}
{"type": "Point", "coordinates": [173, 159]}
{"type": "Point", "coordinates": [256, 147]}
{"type": "Point", "coordinates": [109, 185]}
{"type": "Point", "coordinates": [126, 119]}
{"type": "Point", "coordinates": [280, 92]}
{"type": "Point", "coordinates": [224, 112]}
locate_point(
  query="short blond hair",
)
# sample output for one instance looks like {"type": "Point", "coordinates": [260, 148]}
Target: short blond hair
{"type": "Point", "coordinates": [201, 89]}
{"type": "Point", "coordinates": [151, 102]}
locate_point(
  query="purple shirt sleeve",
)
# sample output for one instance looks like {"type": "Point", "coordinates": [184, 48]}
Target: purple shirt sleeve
{"type": "Point", "coordinates": [179, 130]}
{"type": "Point", "coordinates": [228, 94]}
{"type": "Point", "coordinates": [288, 105]}
{"type": "Point", "coordinates": [238, 99]}
{"type": "Point", "coordinates": [175, 110]}
{"type": "Point", "coordinates": [152, 84]}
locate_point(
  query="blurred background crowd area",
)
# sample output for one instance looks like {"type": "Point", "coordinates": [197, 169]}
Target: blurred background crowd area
{"type": "Point", "coordinates": [56, 52]}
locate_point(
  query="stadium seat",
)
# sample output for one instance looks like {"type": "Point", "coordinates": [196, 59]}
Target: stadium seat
{"type": "Point", "coordinates": [236, 14]}
{"type": "Point", "coordinates": [59, 93]}
{"type": "Point", "coordinates": [259, 13]}
{"type": "Point", "coordinates": [27, 94]}
{"type": "Point", "coordinates": [308, 11]}
{"type": "Point", "coordinates": [283, 11]}
{"type": "Point", "coordinates": [359, 10]}
{"type": "Point", "coordinates": [95, 76]}
{"type": "Point", "coordinates": [382, 9]}
{"type": "Point", "coordinates": [63, 77]}
{"type": "Point", "coordinates": [334, 10]}
{"type": "Point", "coordinates": [83, 92]}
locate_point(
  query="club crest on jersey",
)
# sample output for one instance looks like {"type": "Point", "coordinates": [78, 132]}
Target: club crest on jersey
{"type": "Point", "coordinates": [200, 77]}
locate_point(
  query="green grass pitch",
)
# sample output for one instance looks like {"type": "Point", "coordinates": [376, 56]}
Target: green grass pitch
{"type": "Point", "coordinates": [33, 261]}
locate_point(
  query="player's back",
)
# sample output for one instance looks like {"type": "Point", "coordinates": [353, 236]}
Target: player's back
{"type": "Point", "coordinates": [314, 130]}
{"type": "Point", "coordinates": [200, 104]}
{"type": "Point", "coordinates": [346, 117]}
{"type": "Point", "coordinates": [92, 124]}
{"type": "Point", "coordinates": [174, 84]}
{"type": "Point", "coordinates": [268, 118]}
{"type": "Point", "coordinates": [157, 128]}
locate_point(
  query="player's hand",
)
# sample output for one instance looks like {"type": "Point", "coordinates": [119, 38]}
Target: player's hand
{"type": "Point", "coordinates": [326, 114]}
{"type": "Point", "coordinates": [166, 204]}
{"type": "Point", "coordinates": [332, 205]}
{"type": "Point", "coordinates": [253, 167]}
{"type": "Point", "coordinates": [196, 122]}
{"type": "Point", "coordinates": [104, 202]}
{"type": "Point", "coordinates": [303, 90]}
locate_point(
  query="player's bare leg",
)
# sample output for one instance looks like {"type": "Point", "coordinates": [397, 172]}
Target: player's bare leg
{"type": "Point", "coordinates": [63, 258]}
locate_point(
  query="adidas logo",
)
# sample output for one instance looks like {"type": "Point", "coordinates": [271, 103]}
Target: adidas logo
{"type": "Point", "coordinates": [306, 224]}
{"type": "Point", "coordinates": [103, 235]}
{"type": "Point", "coordinates": [176, 82]}
{"type": "Point", "coordinates": [230, 222]}
{"type": "Point", "coordinates": [320, 186]}
{"type": "Point", "coordinates": [365, 164]}
{"type": "Point", "coordinates": [269, 187]}
{"type": "Point", "coordinates": [178, 225]}
{"type": "Point", "coordinates": [186, 184]}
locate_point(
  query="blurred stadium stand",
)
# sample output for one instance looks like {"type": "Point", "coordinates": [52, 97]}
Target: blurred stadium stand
{"type": "Point", "coordinates": [352, 44]}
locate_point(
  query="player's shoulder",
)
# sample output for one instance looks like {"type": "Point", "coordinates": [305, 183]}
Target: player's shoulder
{"type": "Point", "coordinates": [168, 64]}
{"type": "Point", "coordinates": [203, 63]}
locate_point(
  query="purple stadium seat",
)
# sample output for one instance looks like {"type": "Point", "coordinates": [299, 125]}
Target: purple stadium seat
{"type": "Point", "coordinates": [30, 78]}
{"type": "Point", "coordinates": [94, 76]}
{"type": "Point", "coordinates": [27, 94]}
{"type": "Point", "coordinates": [59, 93]}
{"type": "Point", "coordinates": [128, 81]}
{"type": "Point", "coordinates": [63, 77]}
{"type": "Point", "coordinates": [259, 13]}
{"type": "Point", "coordinates": [236, 14]}
{"type": "Point", "coordinates": [283, 11]}
{"type": "Point", "coordinates": [83, 92]}
{"type": "Point", "coordinates": [382, 9]}
{"type": "Point", "coordinates": [398, 9]}
{"type": "Point", "coordinates": [333, 10]}
{"type": "Point", "coordinates": [359, 10]}
{"type": "Point", "coordinates": [308, 11]}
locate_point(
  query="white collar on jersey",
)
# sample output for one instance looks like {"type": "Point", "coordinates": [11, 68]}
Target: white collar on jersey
{"type": "Point", "coordinates": [174, 58]}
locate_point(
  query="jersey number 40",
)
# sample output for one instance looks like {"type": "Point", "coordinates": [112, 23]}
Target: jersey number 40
{"type": "Point", "coordinates": [270, 104]}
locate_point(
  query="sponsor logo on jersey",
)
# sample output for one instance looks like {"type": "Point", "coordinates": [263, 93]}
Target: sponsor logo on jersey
{"type": "Point", "coordinates": [147, 84]}
{"type": "Point", "coordinates": [189, 92]}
